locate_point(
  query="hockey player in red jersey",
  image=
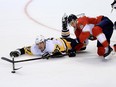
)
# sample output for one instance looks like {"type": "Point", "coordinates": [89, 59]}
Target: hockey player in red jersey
{"type": "Point", "coordinates": [66, 34]}
{"type": "Point", "coordinates": [99, 28]}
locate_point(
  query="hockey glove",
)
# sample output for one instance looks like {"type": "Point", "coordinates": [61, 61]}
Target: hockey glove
{"type": "Point", "coordinates": [46, 55]}
{"type": "Point", "coordinates": [71, 53]}
{"type": "Point", "coordinates": [15, 53]}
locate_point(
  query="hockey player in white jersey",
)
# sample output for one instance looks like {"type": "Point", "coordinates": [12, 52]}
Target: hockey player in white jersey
{"type": "Point", "coordinates": [47, 47]}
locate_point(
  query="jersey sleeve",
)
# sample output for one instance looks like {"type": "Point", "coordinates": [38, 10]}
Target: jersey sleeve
{"type": "Point", "coordinates": [85, 27]}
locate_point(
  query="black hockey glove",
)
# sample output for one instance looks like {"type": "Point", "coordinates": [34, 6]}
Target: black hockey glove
{"type": "Point", "coordinates": [14, 53]}
{"type": "Point", "coordinates": [46, 55]}
{"type": "Point", "coordinates": [71, 53]}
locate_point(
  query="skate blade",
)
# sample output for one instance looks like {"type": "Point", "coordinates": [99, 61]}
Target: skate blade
{"type": "Point", "coordinates": [109, 56]}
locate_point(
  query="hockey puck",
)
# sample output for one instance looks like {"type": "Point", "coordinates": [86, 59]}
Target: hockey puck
{"type": "Point", "coordinates": [13, 71]}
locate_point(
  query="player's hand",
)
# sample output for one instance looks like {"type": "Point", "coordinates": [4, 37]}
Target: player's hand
{"type": "Point", "coordinates": [14, 53]}
{"type": "Point", "coordinates": [46, 55]}
{"type": "Point", "coordinates": [71, 53]}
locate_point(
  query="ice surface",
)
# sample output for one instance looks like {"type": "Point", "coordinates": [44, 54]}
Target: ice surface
{"type": "Point", "coordinates": [17, 30]}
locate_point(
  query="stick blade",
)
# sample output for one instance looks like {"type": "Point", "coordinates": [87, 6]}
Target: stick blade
{"type": "Point", "coordinates": [7, 59]}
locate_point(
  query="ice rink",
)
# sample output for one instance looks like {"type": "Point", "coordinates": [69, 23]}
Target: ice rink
{"type": "Point", "coordinates": [22, 20]}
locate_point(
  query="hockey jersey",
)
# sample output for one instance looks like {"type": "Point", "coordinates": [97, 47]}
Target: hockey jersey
{"type": "Point", "coordinates": [51, 46]}
{"type": "Point", "coordinates": [85, 26]}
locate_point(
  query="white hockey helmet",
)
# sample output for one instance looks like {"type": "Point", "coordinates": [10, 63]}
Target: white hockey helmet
{"type": "Point", "coordinates": [39, 39]}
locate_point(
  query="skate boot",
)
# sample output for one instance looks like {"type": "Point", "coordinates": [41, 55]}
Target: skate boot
{"type": "Point", "coordinates": [108, 54]}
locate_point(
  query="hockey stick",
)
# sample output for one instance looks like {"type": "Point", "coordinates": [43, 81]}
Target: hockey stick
{"type": "Point", "coordinates": [13, 61]}
{"type": "Point", "coordinates": [6, 59]}
{"type": "Point", "coordinates": [13, 64]}
{"type": "Point", "coordinates": [112, 10]}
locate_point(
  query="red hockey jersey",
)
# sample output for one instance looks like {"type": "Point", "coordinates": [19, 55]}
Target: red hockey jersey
{"type": "Point", "coordinates": [85, 26]}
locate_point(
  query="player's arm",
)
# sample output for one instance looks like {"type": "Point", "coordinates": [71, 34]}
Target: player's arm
{"type": "Point", "coordinates": [56, 51]}
{"type": "Point", "coordinates": [52, 49]}
{"type": "Point", "coordinates": [85, 33]}
{"type": "Point", "coordinates": [21, 51]}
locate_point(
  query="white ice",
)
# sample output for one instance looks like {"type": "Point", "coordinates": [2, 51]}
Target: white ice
{"type": "Point", "coordinates": [17, 30]}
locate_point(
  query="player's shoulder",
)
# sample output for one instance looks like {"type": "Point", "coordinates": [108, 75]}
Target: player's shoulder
{"type": "Point", "coordinates": [82, 19]}
{"type": "Point", "coordinates": [49, 43]}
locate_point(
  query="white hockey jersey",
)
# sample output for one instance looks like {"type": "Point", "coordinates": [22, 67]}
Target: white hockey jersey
{"type": "Point", "coordinates": [51, 45]}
